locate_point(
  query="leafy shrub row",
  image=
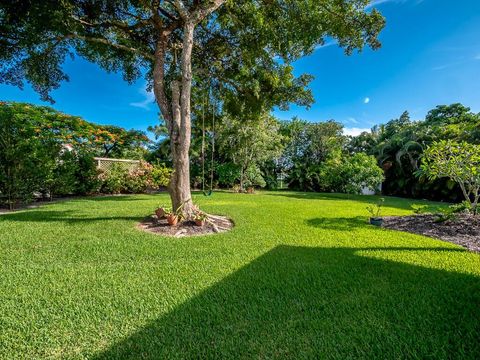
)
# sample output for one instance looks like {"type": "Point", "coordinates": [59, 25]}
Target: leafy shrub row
{"type": "Point", "coordinates": [119, 180]}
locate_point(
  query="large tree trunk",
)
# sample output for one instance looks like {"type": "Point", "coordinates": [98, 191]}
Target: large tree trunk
{"type": "Point", "coordinates": [177, 110]}
{"type": "Point", "coordinates": [177, 117]}
{"type": "Point", "coordinates": [179, 187]}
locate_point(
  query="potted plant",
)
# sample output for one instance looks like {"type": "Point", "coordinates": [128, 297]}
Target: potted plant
{"type": "Point", "coordinates": [160, 211]}
{"type": "Point", "coordinates": [375, 211]}
{"type": "Point", "coordinates": [173, 217]}
{"type": "Point", "coordinates": [200, 218]}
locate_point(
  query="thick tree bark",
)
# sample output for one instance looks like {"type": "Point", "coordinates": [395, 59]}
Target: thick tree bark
{"type": "Point", "coordinates": [177, 111]}
{"type": "Point", "coordinates": [180, 183]}
{"type": "Point", "coordinates": [177, 117]}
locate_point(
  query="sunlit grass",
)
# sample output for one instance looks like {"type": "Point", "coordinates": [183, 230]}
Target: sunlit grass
{"type": "Point", "coordinates": [300, 275]}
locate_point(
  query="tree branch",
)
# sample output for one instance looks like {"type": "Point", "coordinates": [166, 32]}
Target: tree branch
{"type": "Point", "coordinates": [114, 45]}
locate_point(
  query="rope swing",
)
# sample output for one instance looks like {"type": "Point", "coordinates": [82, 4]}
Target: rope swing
{"type": "Point", "coordinates": [210, 190]}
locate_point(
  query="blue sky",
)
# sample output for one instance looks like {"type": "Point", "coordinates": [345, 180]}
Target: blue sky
{"type": "Point", "coordinates": [430, 55]}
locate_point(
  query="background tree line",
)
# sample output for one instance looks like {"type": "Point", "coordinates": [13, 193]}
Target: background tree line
{"type": "Point", "coordinates": [399, 145]}
{"type": "Point", "coordinates": [260, 150]}
{"type": "Point", "coordinates": [51, 153]}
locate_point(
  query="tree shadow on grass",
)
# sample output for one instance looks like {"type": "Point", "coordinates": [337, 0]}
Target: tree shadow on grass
{"type": "Point", "coordinates": [299, 302]}
{"type": "Point", "coordinates": [66, 216]}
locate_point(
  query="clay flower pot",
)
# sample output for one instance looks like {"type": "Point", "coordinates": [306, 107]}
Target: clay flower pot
{"type": "Point", "coordinates": [200, 222]}
{"type": "Point", "coordinates": [172, 220]}
{"type": "Point", "coordinates": [160, 212]}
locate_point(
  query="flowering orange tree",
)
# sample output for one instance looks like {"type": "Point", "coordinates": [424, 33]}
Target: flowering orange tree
{"type": "Point", "coordinates": [34, 149]}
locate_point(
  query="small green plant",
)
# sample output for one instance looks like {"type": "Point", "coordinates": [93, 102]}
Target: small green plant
{"type": "Point", "coordinates": [419, 209]}
{"type": "Point", "coordinates": [445, 214]}
{"type": "Point", "coordinates": [178, 213]}
{"type": "Point", "coordinates": [451, 212]}
{"type": "Point", "coordinates": [200, 216]}
{"type": "Point", "coordinates": [169, 212]}
{"type": "Point", "coordinates": [376, 209]}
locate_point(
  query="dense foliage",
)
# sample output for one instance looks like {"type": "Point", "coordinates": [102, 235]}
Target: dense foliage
{"type": "Point", "coordinates": [47, 153]}
{"type": "Point", "coordinates": [119, 179]}
{"type": "Point", "coordinates": [457, 161]}
{"type": "Point", "coordinates": [258, 151]}
{"type": "Point", "coordinates": [240, 153]}
{"type": "Point", "coordinates": [399, 144]}
{"type": "Point", "coordinates": [245, 145]}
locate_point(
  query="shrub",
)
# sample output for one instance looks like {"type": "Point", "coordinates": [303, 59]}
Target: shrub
{"type": "Point", "coordinates": [228, 174]}
{"type": "Point", "coordinates": [27, 155]}
{"type": "Point", "coordinates": [145, 176]}
{"type": "Point", "coordinates": [113, 181]}
{"type": "Point", "coordinates": [361, 171]}
{"type": "Point", "coordinates": [457, 161]}
{"type": "Point", "coordinates": [140, 179]}
{"type": "Point", "coordinates": [350, 174]}
{"type": "Point", "coordinates": [451, 213]}
{"type": "Point", "coordinates": [160, 175]}
{"type": "Point", "coordinates": [86, 175]}
{"type": "Point", "coordinates": [253, 177]}
{"type": "Point", "coordinates": [63, 179]}
{"type": "Point", "coordinates": [236, 188]}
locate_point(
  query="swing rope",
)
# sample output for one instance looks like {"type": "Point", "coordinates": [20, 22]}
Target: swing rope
{"type": "Point", "coordinates": [210, 191]}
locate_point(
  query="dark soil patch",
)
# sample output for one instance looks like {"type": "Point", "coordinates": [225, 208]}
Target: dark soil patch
{"type": "Point", "coordinates": [214, 224]}
{"type": "Point", "coordinates": [464, 230]}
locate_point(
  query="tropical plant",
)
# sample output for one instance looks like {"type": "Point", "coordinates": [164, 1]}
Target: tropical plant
{"type": "Point", "coordinates": [375, 210]}
{"type": "Point", "coordinates": [350, 174]}
{"type": "Point", "coordinates": [399, 144]}
{"type": "Point", "coordinates": [457, 161]}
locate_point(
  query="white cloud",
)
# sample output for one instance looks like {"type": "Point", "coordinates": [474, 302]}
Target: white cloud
{"type": "Point", "coordinates": [366, 100]}
{"type": "Point", "coordinates": [374, 3]}
{"type": "Point", "coordinates": [352, 120]}
{"type": "Point", "coordinates": [354, 131]}
{"type": "Point", "coordinates": [326, 44]}
{"type": "Point", "coordinates": [148, 98]}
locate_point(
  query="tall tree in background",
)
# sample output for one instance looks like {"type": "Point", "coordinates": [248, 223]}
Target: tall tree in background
{"type": "Point", "coordinates": [243, 48]}
{"type": "Point", "coordinates": [246, 147]}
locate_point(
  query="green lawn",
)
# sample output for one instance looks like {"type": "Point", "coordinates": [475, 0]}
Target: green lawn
{"type": "Point", "coordinates": [300, 276]}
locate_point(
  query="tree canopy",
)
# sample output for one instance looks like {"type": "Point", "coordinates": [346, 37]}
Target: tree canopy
{"type": "Point", "coordinates": [246, 46]}
{"type": "Point", "coordinates": [241, 49]}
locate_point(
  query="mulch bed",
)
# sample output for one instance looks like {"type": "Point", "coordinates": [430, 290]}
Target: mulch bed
{"type": "Point", "coordinates": [214, 224]}
{"type": "Point", "coordinates": [464, 230]}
